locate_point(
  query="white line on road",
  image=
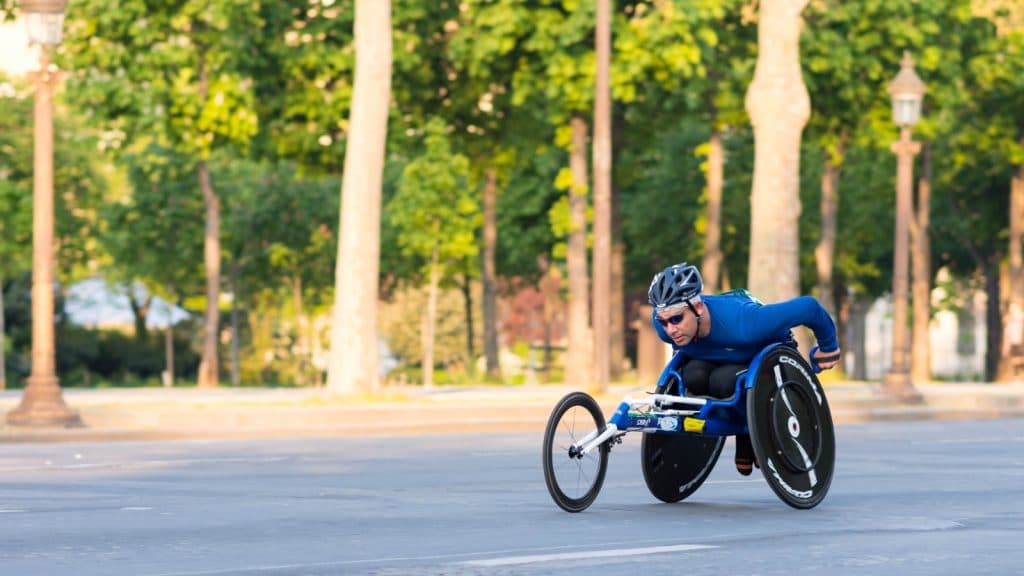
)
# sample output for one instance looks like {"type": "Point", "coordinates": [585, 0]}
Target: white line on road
{"type": "Point", "coordinates": [622, 552]}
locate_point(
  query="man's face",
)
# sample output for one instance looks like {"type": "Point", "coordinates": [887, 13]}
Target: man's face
{"type": "Point", "coordinates": [679, 323]}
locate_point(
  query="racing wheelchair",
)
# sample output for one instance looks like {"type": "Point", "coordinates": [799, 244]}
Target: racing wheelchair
{"type": "Point", "coordinates": [778, 401]}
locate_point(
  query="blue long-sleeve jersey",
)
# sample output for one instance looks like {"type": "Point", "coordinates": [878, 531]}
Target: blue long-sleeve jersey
{"type": "Point", "coordinates": [741, 327]}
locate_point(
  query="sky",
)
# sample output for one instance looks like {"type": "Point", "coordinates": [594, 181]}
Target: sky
{"type": "Point", "coordinates": [15, 56]}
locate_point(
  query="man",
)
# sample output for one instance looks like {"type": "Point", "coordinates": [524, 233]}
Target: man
{"type": "Point", "coordinates": [719, 335]}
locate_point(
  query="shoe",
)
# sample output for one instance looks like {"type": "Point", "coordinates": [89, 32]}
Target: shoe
{"type": "Point", "coordinates": [745, 461]}
{"type": "Point", "coordinates": [744, 466]}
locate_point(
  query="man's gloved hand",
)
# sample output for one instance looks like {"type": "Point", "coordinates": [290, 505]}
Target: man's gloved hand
{"type": "Point", "coordinates": [826, 360]}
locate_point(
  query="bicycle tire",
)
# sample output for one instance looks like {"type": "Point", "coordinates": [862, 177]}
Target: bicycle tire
{"type": "Point", "coordinates": [573, 480]}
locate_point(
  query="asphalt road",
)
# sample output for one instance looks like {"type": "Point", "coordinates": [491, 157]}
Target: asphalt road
{"type": "Point", "coordinates": [935, 497]}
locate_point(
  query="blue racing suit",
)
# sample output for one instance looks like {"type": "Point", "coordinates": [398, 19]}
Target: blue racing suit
{"type": "Point", "coordinates": [741, 327]}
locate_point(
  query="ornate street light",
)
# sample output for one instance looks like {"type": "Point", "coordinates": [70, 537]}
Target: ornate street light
{"type": "Point", "coordinates": [42, 404]}
{"type": "Point", "coordinates": [44, 20]}
{"type": "Point", "coordinates": [907, 91]}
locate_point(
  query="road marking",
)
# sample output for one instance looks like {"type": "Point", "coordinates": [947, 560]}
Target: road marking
{"type": "Point", "coordinates": [588, 555]}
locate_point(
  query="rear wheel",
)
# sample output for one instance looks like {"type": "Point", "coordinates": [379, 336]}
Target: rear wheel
{"type": "Point", "coordinates": [676, 465]}
{"type": "Point", "coordinates": [574, 479]}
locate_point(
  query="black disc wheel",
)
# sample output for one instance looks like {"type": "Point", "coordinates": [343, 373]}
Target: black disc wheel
{"type": "Point", "coordinates": [791, 429]}
{"type": "Point", "coordinates": [676, 465]}
{"type": "Point", "coordinates": [573, 478]}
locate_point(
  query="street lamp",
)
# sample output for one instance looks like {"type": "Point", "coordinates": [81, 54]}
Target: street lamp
{"type": "Point", "coordinates": [42, 404]}
{"type": "Point", "coordinates": [907, 91]}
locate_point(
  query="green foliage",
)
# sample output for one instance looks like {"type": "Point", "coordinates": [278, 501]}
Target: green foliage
{"type": "Point", "coordinates": [401, 326]}
{"type": "Point", "coordinates": [15, 179]}
{"type": "Point", "coordinates": [155, 234]}
{"type": "Point", "coordinates": [662, 207]}
{"type": "Point", "coordinates": [435, 211]}
{"type": "Point", "coordinates": [90, 357]}
{"type": "Point", "coordinates": [263, 94]}
{"type": "Point", "coordinates": [77, 182]}
{"type": "Point", "coordinates": [145, 72]}
{"type": "Point", "coordinates": [524, 207]}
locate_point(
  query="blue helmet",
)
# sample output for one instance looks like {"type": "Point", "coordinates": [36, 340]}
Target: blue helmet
{"type": "Point", "coordinates": [676, 284]}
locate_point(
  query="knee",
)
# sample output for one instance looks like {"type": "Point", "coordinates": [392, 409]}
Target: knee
{"type": "Point", "coordinates": [696, 376]}
{"type": "Point", "coordinates": [723, 382]}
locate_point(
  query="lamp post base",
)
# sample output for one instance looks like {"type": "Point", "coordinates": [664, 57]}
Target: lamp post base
{"type": "Point", "coordinates": [897, 385]}
{"type": "Point", "coordinates": [43, 405]}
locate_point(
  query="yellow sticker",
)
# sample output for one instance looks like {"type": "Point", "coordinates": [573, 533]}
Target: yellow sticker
{"type": "Point", "coordinates": [693, 424]}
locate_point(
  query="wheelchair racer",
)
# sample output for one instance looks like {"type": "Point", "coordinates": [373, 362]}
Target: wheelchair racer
{"type": "Point", "coordinates": [719, 335]}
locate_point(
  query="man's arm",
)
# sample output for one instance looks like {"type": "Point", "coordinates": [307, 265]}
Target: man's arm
{"type": "Point", "coordinates": [801, 311]}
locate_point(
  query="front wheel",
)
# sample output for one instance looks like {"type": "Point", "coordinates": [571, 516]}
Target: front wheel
{"type": "Point", "coordinates": [791, 429]}
{"type": "Point", "coordinates": [574, 479]}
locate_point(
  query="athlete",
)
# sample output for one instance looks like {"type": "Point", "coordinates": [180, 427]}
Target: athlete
{"type": "Point", "coordinates": [719, 335]}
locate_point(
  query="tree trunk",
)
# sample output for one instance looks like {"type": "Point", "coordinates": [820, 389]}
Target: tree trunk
{"type": "Point", "coordinates": [168, 375]}
{"type": "Point", "coordinates": [602, 153]}
{"type": "Point", "coordinates": [617, 345]}
{"type": "Point", "coordinates": [209, 366]}
{"type": "Point", "coordinates": [236, 378]}
{"type": "Point", "coordinates": [3, 339]}
{"type": "Point", "coordinates": [427, 336]}
{"type": "Point", "coordinates": [779, 106]}
{"type": "Point", "coordinates": [920, 358]}
{"type": "Point", "coordinates": [993, 317]}
{"type": "Point", "coordinates": [577, 370]}
{"type": "Point", "coordinates": [824, 252]}
{"type": "Point", "coordinates": [1013, 322]}
{"type": "Point", "coordinates": [490, 280]}
{"type": "Point", "coordinates": [353, 358]}
{"type": "Point", "coordinates": [302, 345]}
{"type": "Point", "coordinates": [711, 267]}
{"type": "Point", "coordinates": [858, 337]}
{"type": "Point", "coordinates": [618, 296]}
{"type": "Point", "coordinates": [467, 299]}
{"type": "Point", "coordinates": [169, 355]}
{"type": "Point", "coordinates": [550, 286]}
{"type": "Point", "coordinates": [842, 320]}
{"type": "Point", "coordinates": [265, 339]}
{"type": "Point", "coordinates": [140, 311]}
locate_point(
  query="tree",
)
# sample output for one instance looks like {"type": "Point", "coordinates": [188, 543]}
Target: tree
{"type": "Point", "coordinates": [851, 52]}
{"type": "Point", "coordinates": [438, 216]}
{"type": "Point", "coordinates": [779, 106]}
{"type": "Point", "coordinates": [994, 124]}
{"type": "Point", "coordinates": [602, 165]}
{"type": "Point", "coordinates": [15, 195]}
{"type": "Point", "coordinates": [173, 73]}
{"type": "Point", "coordinates": [353, 357]}
{"type": "Point", "coordinates": [153, 235]}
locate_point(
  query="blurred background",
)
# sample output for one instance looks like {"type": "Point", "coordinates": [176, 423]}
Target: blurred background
{"type": "Point", "coordinates": [199, 153]}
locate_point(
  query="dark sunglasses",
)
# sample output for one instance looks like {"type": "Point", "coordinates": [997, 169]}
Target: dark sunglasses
{"type": "Point", "coordinates": [673, 320]}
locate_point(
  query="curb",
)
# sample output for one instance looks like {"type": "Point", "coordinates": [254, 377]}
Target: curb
{"type": "Point", "coordinates": [178, 414]}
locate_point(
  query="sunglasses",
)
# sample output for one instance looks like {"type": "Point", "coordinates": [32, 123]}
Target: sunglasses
{"type": "Point", "coordinates": [673, 320]}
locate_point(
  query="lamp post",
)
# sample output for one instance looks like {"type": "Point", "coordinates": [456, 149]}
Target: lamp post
{"type": "Point", "coordinates": [42, 403]}
{"type": "Point", "coordinates": [907, 91]}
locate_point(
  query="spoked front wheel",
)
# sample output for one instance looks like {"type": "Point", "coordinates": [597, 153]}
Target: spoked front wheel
{"type": "Point", "coordinates": [573, 478]}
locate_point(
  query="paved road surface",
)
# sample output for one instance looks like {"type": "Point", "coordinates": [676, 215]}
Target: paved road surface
{"type": "Point", "coordinates": [933, 497]}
